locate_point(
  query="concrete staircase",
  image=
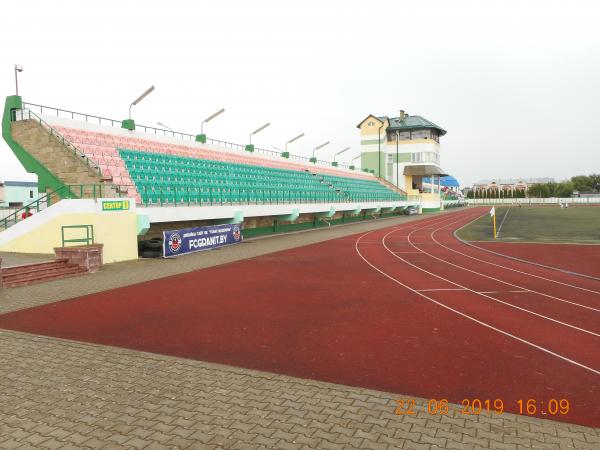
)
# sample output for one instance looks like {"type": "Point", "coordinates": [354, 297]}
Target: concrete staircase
{"type": "Point", "coordinates": [39, 273]}
{"type": "Point", "coordinates": [68, 167]}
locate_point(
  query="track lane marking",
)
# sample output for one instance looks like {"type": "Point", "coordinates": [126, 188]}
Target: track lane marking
{"type": "Point", "coordinates": [432, 235]}
{"type": "Point", "coordinates": [466, 316]}
{"type": "Point", "coordinates": [475, 292]}
{"type": "Point", "coordinates": [520, 260]}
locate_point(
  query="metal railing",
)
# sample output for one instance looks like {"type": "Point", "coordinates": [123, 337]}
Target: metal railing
{"type": "Point", "coordinates": [90, 118]}
{"type": "Point", "coordinates": [37, 205]}
{"type": "Point", "coordinates": [167, 196]}
{"type": "Point", "coordinates": [72, 191]}
{"type": "Point", "coordinates": [189, 196]}
{"type": "Point", "coordinates": [87, 240]}
{"type": "Point", "coordinates": [535, 201]}
{"type": "Point", "coordinates": [26, 114]}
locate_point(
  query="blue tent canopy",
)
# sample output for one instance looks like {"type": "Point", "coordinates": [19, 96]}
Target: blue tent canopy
{"type": "Point", "coordinates": [448, 181]}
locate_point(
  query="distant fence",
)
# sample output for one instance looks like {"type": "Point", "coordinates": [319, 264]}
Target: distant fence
{"type": "Point", "coordinates": [535, 201]}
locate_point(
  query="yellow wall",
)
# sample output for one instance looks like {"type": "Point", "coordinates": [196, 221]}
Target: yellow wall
{"type": "Point", "coordinates": [365, 129]}
{"type": "Point", "coordinates": [117, 231]}
{"type": "Point", "coordinates": [430, 197]}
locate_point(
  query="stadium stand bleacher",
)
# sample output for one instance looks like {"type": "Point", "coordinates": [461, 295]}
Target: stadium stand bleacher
{"type": "Point", "coordinates": [157, 173]}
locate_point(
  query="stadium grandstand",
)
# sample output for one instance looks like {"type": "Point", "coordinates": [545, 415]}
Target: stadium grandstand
{"type": "Point", "coordinates": [171, 180]}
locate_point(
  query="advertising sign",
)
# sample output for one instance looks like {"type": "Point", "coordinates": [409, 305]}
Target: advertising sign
{"type": "Point", "coordinates": [190, 240]}
{"type": "Point", "coordinates": [115, 205]}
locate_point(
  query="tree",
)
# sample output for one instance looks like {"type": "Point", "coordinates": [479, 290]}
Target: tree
{"type": "Point", "coordinates": [582, 183]}
{"type": "Point", "coordinates": [586, 182]}
{"type": "Point", "coordinates": [564, 189]}
{"type": "Point", "coordinates": [539, 190]}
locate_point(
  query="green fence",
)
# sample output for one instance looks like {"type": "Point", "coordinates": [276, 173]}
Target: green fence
{"type": "Point", "coordinates": [87, 240]}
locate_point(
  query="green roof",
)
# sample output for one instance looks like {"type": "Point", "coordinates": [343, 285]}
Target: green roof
{"type": "Point", "coordinates": [412, 123]}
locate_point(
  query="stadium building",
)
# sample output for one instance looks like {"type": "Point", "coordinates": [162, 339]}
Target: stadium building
{"type": "Point", "coordinates": [508, 185]}
{"type": "Point", "coordinates": [125, 182]}
{"type": "Point", "coordinates": [404, 151]}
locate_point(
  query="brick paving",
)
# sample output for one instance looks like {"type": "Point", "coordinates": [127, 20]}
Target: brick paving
{"type": "Point", "coordinates": [57, 393]}
{"type": "Point", "coordinates": [61, 394]}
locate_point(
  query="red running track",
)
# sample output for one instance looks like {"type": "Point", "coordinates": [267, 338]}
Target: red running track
{"type": "Point", "coordinates": [561, 256]}
{"type": "Point", "coordinates": [362, 311]}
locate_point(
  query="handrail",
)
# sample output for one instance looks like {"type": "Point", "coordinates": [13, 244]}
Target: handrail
{"type": "Point", "coordinates": [162, 195]}
{"type": "Point", "coordinates": [161, 131]}
{"type": "Point", "coordinates": [35, 205]}
{"type": "Point", "coordinates": [89, 234]}
{"type": "Point", "coordinates": [90, 164]}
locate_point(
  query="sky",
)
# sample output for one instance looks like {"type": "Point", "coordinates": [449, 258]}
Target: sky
{"type": "Point", "coordinates": [515, 83]}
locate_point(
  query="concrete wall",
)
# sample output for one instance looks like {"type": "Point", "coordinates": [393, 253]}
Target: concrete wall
{"type": "Point", "coordinates": [40, 233]}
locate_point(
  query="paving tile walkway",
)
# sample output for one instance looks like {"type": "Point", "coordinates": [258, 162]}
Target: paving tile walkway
{"type": "Point", "coordinates": [62, 394]}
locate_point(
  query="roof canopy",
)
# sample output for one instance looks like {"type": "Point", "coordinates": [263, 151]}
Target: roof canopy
{"type": "Point", "coordinates": [448, 180]}
{"type": "Point", "coordinates": [423, 170]}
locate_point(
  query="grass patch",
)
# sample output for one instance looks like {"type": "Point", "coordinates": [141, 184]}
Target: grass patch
{"type": "Point", "coordinates": [576, 224]}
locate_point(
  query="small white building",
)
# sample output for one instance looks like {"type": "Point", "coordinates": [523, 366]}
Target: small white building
{"type": "Point", "coordinates": [16, 194]}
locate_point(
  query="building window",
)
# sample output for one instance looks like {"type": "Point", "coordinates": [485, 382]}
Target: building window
{"type": "Point", "coordinates": [370, 124]}
{"type": "Point", "coordinates": [30, 194]}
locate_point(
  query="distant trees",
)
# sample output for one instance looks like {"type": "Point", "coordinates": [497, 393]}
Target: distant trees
{"type": "Point", "coordinates": [581, 183]}
{"type": "Point", "coordinates": [586, 183]}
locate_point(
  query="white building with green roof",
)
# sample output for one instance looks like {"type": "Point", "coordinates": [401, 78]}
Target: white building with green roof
{"type": "Point", "coordinates": [403, 150]}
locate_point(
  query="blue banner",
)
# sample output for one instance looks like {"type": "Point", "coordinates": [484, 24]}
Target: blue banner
{"type": "Point", "coordinates": [190, 240]}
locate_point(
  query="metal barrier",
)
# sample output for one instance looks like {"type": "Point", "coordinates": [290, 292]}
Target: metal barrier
{"type": "Point", "coordinates": [89, 234]}
{"type": "Point", "coordinates": [535, 201]}
{"type": "Point", "coordinates": [89, 118]}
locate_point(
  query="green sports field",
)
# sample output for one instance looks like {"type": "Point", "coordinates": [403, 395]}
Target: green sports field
{"type": "Point", "coordinates": [576, 224]}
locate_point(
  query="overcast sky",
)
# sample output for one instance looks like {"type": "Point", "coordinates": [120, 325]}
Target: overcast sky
{"type": "Point", "coordinates": [515, 83]}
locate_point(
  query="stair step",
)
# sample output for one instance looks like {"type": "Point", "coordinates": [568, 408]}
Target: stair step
{"type": "Point", "coordinates": [28, 268]}
{"type": "Point", "coordinates": [38, 274]}
{"type": "Point", "coordinates": [42, 279]}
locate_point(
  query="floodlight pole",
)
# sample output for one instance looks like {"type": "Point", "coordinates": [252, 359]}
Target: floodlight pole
{"type": "Point", "coordinates": [257, 131]}
{"type": "Point", "coordinates": [314, 159]}
{"type": "Point", "coordinates": [319, 147]}
{"type": "Point", "coordinates": [340, 152]}
{"type": "Point", "coordinates": [208, 119]}
{"type": "Point", "coordinates": [292, 140]}
{"type": "Point", "coordinates": [140, 98]}
{"type": "Point", "coordinates": [18, 68]}
{"type": "Point", "coordinates": [354, 159]}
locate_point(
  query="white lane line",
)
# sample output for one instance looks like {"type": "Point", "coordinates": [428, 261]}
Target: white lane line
{"type": "Point", "coordinates": [521, 260]}
{"type": "Point", "coordinates": [441, 289]}
{"type": "Point", "coordinates": [501, 292]}
{"type": "Point", "coordinates": [503, 219]}
{"type": "Point", "coordinates": [506, 282]}
{"type": "Point", "coordinates": [510, 305]}
{"type": "Point", "coordinates": [466, 316]}
{"type": "Point", "coordinates": [406, 252]}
